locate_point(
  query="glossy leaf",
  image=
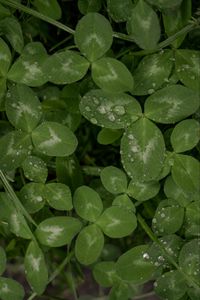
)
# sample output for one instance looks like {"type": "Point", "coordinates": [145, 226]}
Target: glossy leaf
{"type": "Point", "coordinates": [142, 191]}
{"type": "Point", "coordinates": [171, 285]}
{"type": "Point", "coordinates": [10, 289]}
{"type": "Point", "coordinates": [93, 36]}
{"type": "Point", "coordinates": [152, 72]}
{"type": "Point", "coordinates": [65, 67]}
{"type": "Point", "coordinates": [54, 139]}
{"type": "Point", "coordinates": [185, 173]}
{"type": "Point", "coordinates": [112, 75]}
{"type": "Point", "coordinates": [113, 111]}
{"type": "Point", "coordinates": [142, 150]}
{"type": "Point", "coordinates": [120, 291]}
{"type": "Point", "coordinates": [14, 148]}
{"type": "Point", "coordinates": [119, 11]}
{"type": "Point", "coordinates": [168, 218]}
{"type": "Point", "coordinates": [31, 195]}
{"type": "Point", "coordinates": [36, 269]}
{"type": "Point", "coordinates": [132, 265]}
{"type": "Point", "coordinates": [35, 169]}
{"type": "Point", "coordinates": [117, 222]}
{"type": "Point", "coordinates": [143, 26]}
{"type": "Point", "coordinates": [187, 68]}
{"type": "Point", "coordinates": [2, 260]}
{"type": "Point", "coordinates": [89, 244]}
{"type": "Point", "coordinates": [58, 195]}
{"type": "Point", "coordinates": [15, 37]}
{"type": "Point", "coordinates": [5, 58]}
{"type": "Point", "coordinates": [3, 89]}
{"type": "Point", "coordinates": [171, 104]}
{"type": "Point", "coordinates": [192, 219]}
{"type": "Point", "coordinates": [124, 202]}
{"type": "Point", "coordinates": [108, 136]}
{"type": "Point", "coordinates": [104, 273]}
{"type": "Point", "coordinates": [27, 69]}
{"type": "Point", "coordinates": [23, 108]}
{"type": "Point", "coordinates": [4, 11]}
{"type": "Point", "coordinates": [50, 8]}
{"type": "Point", "coordinates": [114, 180]}
{"type": "Point", "coordinates": [176, 18]}
{"type": "Point", "coordinates": [185, 135]}
{"type": "Point", "coordinates": [58, 231]}
{"type": "Point", "coordinates": [87, 203]}
{"type": "Point", "coordinates": [189, 259]}
{"type": "Point", "coordinates": [87, 6]}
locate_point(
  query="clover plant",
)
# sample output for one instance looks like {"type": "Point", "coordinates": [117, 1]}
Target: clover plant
{"type": "Point", "coordinates": [99, 149]}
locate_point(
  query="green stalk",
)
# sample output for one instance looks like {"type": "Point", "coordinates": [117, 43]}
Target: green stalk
{"type": "Point", "coordinates": [8, 188]}
{"type": "Point", "coordinates": [154, 238]}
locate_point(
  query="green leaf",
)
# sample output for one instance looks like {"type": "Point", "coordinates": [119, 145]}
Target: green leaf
{"type": "Point", "coordinates": [113, 111]}
{"type": "Point", "coordinates": [192, 219]}
{"type": "Point", "coordinates": [58, 231]}
{"type": "Point", "coordinates": [87, 203]}
{"type": "Point", "coordinates": [171, 244]}
{"type": "Point", "coordinates": [152, 72]}
{"type": "Point", "coordinates": [11, 289]}
{"type": "Point", "coordinates": [185, 135]}
{"type": "Point", "coordinates": [143, 26]}
{"type": "Point", "coordinates": [87, 6]}
{"type": "Point", "coordinates": [2, 260]}
{"type": "Point", "coordinates": [14, 148]}
{"type": "Point", "coordinates": [194, 294]}
{"type": "Point", "coordinates": [173, 191]}
{"type": "Point", "coordinates": [31, 196]}
{"type": "Point", "coordinates": [3, 89]}
{"type": "Point", "coordinates": [142, 191]}
{"type": "Point", "coordinates": [185, 173]}
{"type": "Point", "coordinates": [93, 36]}
{"type": "Point", "coordinates": [175, 19]}
{"type": "Point", "coordinates": [108, 136]}
{"type": "Point", "coordinates": [187, 68]}
{"type": "Point", "coordinates": [133, 265]}
{"type": "Point", "coordinates": [35, 169]}
{"type": "Point", "coordinates": [112, 75]}
{"type": "Point", "coordinates": [171, 104]}
{"type": "Point", "coordinates": [50, 8]}
{"type": "Point", "coordinates": [68, 171]}
{"type": "Point", "coordinates": [65, 67]}
{"type": "Point", "coordinates": [189, 259]}
{"type": "Point", "coordinates": [27, 69]}
{"type": "Point", "coordinates": [119, 11]}
{"type": "Point", "coordinates": [71, 96]}
{"type": "Point", "coordinates": [23, 108]}
{"type": "Point", "coordinates": [35, 268]}
{"type": "Point", "coordinates": [14, 218]}
{"type": "Point", "coordinates": [168, 218]}
{"type": "Point", "coordinates": [89, 244]}
{"type": "Point", "coordinates": [58, 195]}
{"type": "Point", "coordinates": [124, 202]}
{"type": "Point", "coordinates": [104, 273]}
{"type": "Point", "coordinates": [114, 180]}
{"type": "Point", "coordinates": [117, 222]}
{"type": "Point", "coordinates": [171, 285]}
{"type": "Point", "coordinates": [120, 291]}
{"type": "Point", "coordinates": [164, 4]}
{"type": "Point", "coordinates": [5, 58]}
{"type": "Point", "coordinates": [54, 139]}
{"type": "Point", "coordinates": [142, 150]}
{"type": "Point", "coordinates": [11, 28]}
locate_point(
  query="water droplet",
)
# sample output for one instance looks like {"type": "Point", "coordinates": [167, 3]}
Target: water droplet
{"type": "Point", "coordinates": [93, 120]}
{"type": "Point", "coordinates": [154, 221]}
{"type": "Point", "coordinates": [162, 215]}
{"type": "Point", "coordinates": [119, 110]}
{"type": "Point", "coordinates": [151, 91]}
{"type": "Point", "coordinates": [102, 109]}
{"type": "Point", "coordinates": [87, 108]}
{"type": "Point", "coordinates": [145, 256]}
{"type": "Point", "coordinates": [111, 117]}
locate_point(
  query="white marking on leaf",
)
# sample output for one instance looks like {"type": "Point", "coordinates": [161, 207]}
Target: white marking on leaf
{"type": "Point", "coordinates": [109, 77]}
{"type": "Point", "coordinates": [52, 141]}
{"type": "Point", "coordinates": [5, 289]}
{"type": "Point", "coordinates": [145, 155]}
{"type": "Point", "coordinates": [4, 57]}
{"type": "Point", "coordinates": [35, 262]}
{"type": "Point", "coordinates": [54, 232]}
{"type": "Point", "coordinates": [15, 222]}
{"type": "Point", "coordinates": [94, 38]}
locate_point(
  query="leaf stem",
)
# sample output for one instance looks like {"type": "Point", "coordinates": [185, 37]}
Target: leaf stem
{"type": "Point", "coordinates": [147, 295]}
{"type": "Point", "coordinates": [154, 238]}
